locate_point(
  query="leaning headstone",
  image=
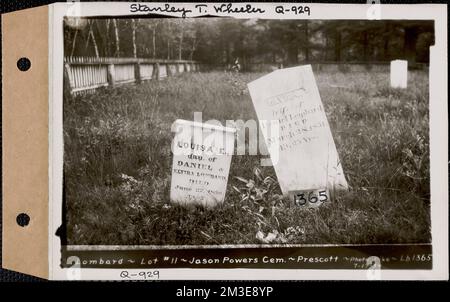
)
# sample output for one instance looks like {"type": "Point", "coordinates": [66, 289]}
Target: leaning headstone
{"type": "Point", "coordinates": [399, 74]}
{"type": "Point", "coordinates": [306, 161]}
{"type": "Point", "coordinates": [201, 162]}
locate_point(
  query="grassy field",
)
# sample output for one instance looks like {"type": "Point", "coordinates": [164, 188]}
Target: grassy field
{"type": "Point", "coordinates": [118, 161]}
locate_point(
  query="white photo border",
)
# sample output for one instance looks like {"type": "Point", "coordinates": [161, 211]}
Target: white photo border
{"type": "Point", "coordinates": [438, 92]}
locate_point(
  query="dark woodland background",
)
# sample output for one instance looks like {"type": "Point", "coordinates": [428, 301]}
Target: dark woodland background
{"type": "Point", "coordinates": [220, 41]}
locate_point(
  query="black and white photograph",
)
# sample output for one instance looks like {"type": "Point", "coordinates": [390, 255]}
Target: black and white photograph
{"type": "Point", "coordinates": [227, 135]}
{"type": "Point", "coordinates": [147, 141]}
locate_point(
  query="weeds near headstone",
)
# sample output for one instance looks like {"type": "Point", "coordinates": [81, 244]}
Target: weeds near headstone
{"type": "Point", "coordinates": [117, 163]}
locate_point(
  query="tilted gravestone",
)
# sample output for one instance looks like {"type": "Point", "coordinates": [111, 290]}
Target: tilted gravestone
{"type": "Point", "coordinates": [307, 163]}
{"type": "Point", "coordinates": [399, 74]}
{"type": "Point", "coordinates": [201, 162]}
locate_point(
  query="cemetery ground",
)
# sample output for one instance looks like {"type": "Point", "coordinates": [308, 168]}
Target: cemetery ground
{"type": "Point", "coordinates": [118, 161]}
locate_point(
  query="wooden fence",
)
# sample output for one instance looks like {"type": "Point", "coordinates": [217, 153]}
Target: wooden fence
{"type": "Point", "coordinates": [88, 73]}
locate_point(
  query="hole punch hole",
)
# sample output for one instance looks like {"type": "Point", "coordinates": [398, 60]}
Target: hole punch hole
{"type": "Point", "coordinates": [23, 64]}
{"type": "Point", "coordinates": [23, 219]}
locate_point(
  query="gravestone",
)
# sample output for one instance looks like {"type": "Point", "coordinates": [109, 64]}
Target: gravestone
{"type": "Point", "coordinates": [201, 162]}
{"type": "Point", "coordinates": [307, 164]}
{"type": "Point", "coordinates": [399, 74]}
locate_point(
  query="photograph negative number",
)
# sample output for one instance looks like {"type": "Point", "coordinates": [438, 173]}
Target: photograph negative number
{"type": "Point", "coordinates": [305, 198]}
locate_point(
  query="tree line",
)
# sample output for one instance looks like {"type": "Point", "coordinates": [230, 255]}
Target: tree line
{"type": "Point", "coordinates": [220, 41]}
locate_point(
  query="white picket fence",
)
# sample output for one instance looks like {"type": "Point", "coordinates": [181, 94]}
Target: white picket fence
{"type": "Point", "coordinates": [88, 73]}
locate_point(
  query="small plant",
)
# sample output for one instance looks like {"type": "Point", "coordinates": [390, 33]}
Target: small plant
{"type": "Point", "coordinates": [256, 190]}
{"type": "Point", "coordinates": [416, 163]}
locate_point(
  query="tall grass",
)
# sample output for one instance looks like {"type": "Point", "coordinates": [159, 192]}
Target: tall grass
{"type": "Point", "coordinates": [117, 164]}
